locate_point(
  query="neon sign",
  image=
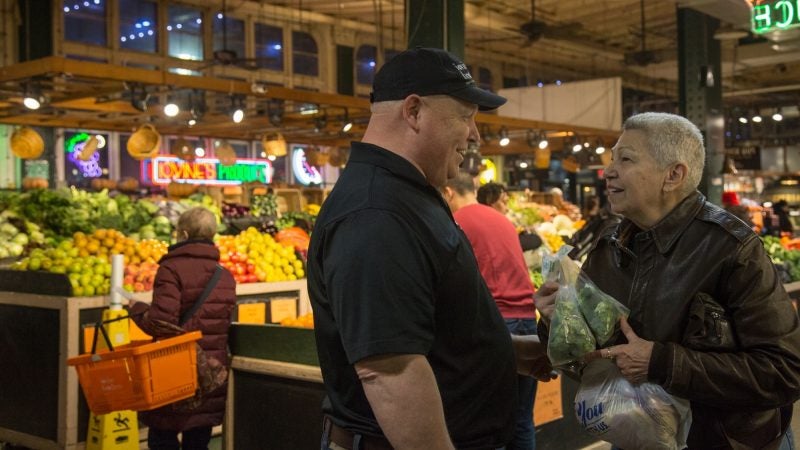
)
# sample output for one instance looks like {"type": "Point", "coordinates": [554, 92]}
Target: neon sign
{"type": "Point", "coordinates": [771, 15]}
{"type": "Point", "coordinates": [304, 172]}
{"type": "Point", "coordinates": [89, 168]}
{"type": "Point", "coordinates": [166, 169]}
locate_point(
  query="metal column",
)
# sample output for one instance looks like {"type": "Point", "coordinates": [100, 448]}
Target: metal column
{"type": "Point", "coordinates": [700, 86]}
{"type": "Point", "coordinates": [436, 23]}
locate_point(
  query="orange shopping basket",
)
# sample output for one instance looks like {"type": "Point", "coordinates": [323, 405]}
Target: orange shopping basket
{"type": "Point", "coordinates": [140, 375]}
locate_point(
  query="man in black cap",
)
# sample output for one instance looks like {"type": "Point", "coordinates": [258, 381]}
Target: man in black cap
{"type": "Point", "coordinates": [413, 351]}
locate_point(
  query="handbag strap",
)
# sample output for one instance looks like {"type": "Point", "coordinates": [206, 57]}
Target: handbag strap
{"type": "Point", "coordinates": [209, 287]}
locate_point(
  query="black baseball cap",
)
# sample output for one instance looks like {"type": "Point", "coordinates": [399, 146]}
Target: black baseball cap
{"type": "Point", "coordinates": [430, 71]}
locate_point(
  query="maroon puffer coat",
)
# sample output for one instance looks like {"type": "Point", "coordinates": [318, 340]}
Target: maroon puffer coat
{"type": "Point", "coordinates": [182, 275]}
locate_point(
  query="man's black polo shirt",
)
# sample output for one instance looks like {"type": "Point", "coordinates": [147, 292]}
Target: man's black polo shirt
{"type": "Point", "coordinates": [389, 271]}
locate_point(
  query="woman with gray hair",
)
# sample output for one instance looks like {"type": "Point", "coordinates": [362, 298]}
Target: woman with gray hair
{"type": "Point", "coordinates": [709, 319]}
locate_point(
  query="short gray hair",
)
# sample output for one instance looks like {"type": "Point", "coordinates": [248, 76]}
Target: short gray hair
{"type": "Point", "coordinates": [671, 139]}
{"type": "Point", "coordinates": [198, 223]}
{"type": "Point", "coordinates": [463, 183]}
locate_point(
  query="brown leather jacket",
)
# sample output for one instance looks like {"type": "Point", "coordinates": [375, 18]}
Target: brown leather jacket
{"type": "Point", "coordinates": [735, 357]}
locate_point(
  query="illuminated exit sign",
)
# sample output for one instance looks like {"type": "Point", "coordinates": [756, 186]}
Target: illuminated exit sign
{"type": "Point", "coordinates": [166, 169]}
{"type": "Point", "coordinates": [771, 15]}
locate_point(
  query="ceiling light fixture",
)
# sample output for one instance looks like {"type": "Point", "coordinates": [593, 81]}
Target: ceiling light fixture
{"type": "Point", "coordinates": [601, 148]}
{"type": "Point", "coordinates": [171, 109]}
{"type": "Point", "coordinates": [543, 142]}
{"type": "Point", "coordinates": [33, 98]}
{"type": "Point", "coordinates": [756, 119]}
{"type": "Point", "coordinates": [237, 109]}
{"type": "Point", "coordinates": [347, 124]}
{"type": "Point", "coordinates": [139, 96]}
{"type": "Point", "coordinates": [504, 139]}
{"type": "Point", "coordinates": [576, 145]}
{"type": "Point", "coordinates": [237, 115]}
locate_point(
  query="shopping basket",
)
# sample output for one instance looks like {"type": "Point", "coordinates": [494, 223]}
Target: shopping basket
{"type": "Point", "coordinates": [138, 376]}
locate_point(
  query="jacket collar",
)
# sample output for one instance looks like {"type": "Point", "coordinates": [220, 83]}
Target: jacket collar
{"type": "Point", "coordinates": [666, 232]}
{"type": "Point", "coordinates": [196, 248]}
{"type": "Point", "coordinates": [362, 152]}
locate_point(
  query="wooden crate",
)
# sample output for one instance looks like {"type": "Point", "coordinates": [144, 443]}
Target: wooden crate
{"type": "Point", "coordinates": [289, 200]}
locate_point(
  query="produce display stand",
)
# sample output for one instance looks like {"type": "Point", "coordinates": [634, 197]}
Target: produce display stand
{"type": "Point", "coordinates": [275, 394]}
{"type": "Point", "coordinates": [42, 405]}
{"type": "Point", "coordinates": [289, 199]}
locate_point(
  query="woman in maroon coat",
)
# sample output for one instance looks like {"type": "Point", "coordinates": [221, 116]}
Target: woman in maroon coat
{"type": "Point", "coordinates": [182, 276]}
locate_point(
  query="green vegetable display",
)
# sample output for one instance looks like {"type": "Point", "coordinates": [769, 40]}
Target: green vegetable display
{"type": "Point", "coordinates": [787, 261]}
{"type": "Point", "coordinates": [570, 338]}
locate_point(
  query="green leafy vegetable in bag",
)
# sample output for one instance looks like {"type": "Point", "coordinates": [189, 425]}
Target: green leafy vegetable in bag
{"type": "Point", "coordinates": [570, 338]}
{"type": "Point", "coordinates": [601, 311]}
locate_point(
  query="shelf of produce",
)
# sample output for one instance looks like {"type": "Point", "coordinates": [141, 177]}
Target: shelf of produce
{"type": "Point", "coordinates": [43, 407]}
{"type": "Point", "coordinates": [298, 287]}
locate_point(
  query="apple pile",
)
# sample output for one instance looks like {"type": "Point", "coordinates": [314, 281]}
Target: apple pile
{"type": "Point", "coordinates": [252, 256]}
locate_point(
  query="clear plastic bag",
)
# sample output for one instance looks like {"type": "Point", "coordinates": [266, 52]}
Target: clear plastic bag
{"type": "Point", "coordinates": [601, 311]}
{"type": "Point", "coordinates": [629, 416]}
{"type": "Point", "coordinates": [570, 338]}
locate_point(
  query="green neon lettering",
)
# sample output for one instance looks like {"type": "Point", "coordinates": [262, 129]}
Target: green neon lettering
{"type": "Point", "coordinates": [787, 13]}
{"type": "Point", "coordinates": [761, 18]}
{"type": "Point", "coordinates": [241, 172]}
{"type": "Point", "coordinates": [223, 172]}
{"type": "Point", "coordinates": [249, 174]}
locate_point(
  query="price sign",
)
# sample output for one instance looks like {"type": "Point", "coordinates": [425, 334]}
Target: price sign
{"type": "Point", "coordinates": [251, 313]}
{"type": "Point", "coordinates": [37, 168]}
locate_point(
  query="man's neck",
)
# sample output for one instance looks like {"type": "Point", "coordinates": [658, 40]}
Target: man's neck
{"type": "Point", "coordinates": [460, 201]}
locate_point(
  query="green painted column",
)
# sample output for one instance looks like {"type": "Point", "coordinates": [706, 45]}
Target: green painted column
{"type": "Point", "coordinates": [436, 23]}
{"type": "Point", "coordinates": [10, 167]}
{"type": "Point", "coordinates": [700, 90]}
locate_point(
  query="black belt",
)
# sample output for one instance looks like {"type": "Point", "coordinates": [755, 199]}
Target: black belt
{"type": "Point", "coordinates": [353, 441]}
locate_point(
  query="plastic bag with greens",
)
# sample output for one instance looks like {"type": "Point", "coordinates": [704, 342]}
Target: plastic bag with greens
{"type": "Point", "coordinates": [602, 311]}
{"type": "Point", "coordinates": [570, 338]}
{"type": "Point", "coordinates": [630, 416]}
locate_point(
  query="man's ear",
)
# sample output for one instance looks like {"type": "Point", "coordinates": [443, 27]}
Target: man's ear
{"type": "Point", "coordinates": [675, 177]}
{"type": "Point", "coordinates": [411, 109]}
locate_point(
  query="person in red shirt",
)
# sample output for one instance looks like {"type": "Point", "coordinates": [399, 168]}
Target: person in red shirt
{"type": "Point", "coordinates": [499, 254]}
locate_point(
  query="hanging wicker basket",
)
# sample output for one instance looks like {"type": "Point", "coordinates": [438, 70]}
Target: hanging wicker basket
{"type": "Point", "coordinates": [541, 158]}
{"type": "Point", "coordinates": [182, 149]}
{"type": "Point", "coordinates": [316, 157]}
{"type": "Point", "coordinates": [180, 190]}
{"type": "Point", "coordinates": [144, 142]}
{"type": "Point", "coordinates": [274, 144]}
{"type": "Point", "coordinates": [338, 156]}
{"type": "Point", "coordinates": [226, 154]}
{"type": "Point", "coordinates": [26, 143]}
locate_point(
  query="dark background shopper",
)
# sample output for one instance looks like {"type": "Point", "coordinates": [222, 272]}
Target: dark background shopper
{"type": "Point", "coordinates": [181, 278]}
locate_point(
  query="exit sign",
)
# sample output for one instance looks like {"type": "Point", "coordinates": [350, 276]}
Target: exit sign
{"type": "Point", "coordinates": [771, 15]}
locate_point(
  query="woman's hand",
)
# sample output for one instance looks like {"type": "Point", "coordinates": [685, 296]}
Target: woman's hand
{"type": "Point", "coordinates": [633, 358]}
{"type": "Point", "coordinates": [545, 299]}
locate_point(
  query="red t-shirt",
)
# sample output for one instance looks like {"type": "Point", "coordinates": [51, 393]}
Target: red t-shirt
{"type": "Point", "coordinates": [496, 246]}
